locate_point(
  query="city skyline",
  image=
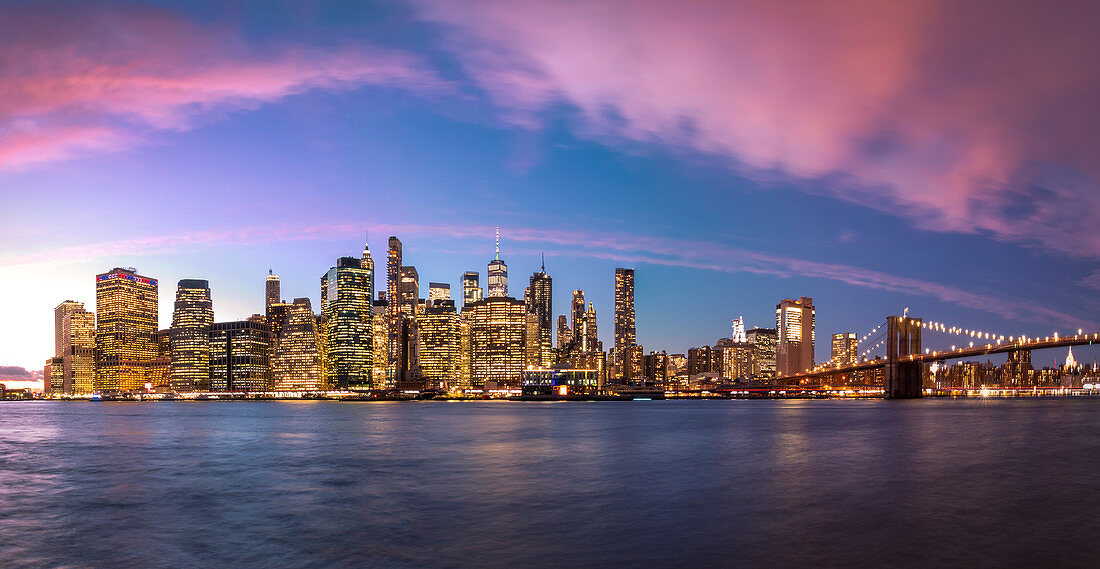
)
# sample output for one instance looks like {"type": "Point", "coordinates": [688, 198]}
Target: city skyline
{"type": "Point", "coordinates": [464, 123]}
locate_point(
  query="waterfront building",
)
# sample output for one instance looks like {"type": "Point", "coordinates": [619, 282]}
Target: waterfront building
{"type": "Point", "coordinates": [272, 291]}
{"type": "Point", "coordinates": [655, 368]}
{"type": "Point", "coordinates": [126, 327]}
{"type": "Point", "coordinates": [74, 343]}
{"type": "Point", "coordinates": [297, 359]}
{"type": "Point", "coordinates": [190, 336]}
{"type": "Point", "coordinates": [764, 341]}
{"type": "Point", "coordinates": [471, 287]}
{"type": "Point", "coordinates": [160, 370]}
{"type": "Point", "coordinates": [53, 375]}
{"type": "Point", "coordinates": [240, 356]}
{"type": "Point", "coordinates": [497, 274]}
{"type": "Point", "coordinates": [844, 348]}
{"type": "Point", "coordinates": [624, 315]}
{"type": "Point", "coordinates": [736, 360]}
{"type": "Point", "coordinates": [794, 321]}
{"type": "Point", "coordinates": [560, 382]}
{"type": "Point", "coordinates": [438, 333]}
{"type": "Point", "coordinates": [347, 326]}
{"type": "Point", "coordinates": [498, 329]}
{"type": "Point", "coordinates": [393, 297]}
{"type": "Point", "coordinates": [463, 381]}
{"type": "Point", "coordinates": [407, 375]}
{"type": "Point", "coordinates": [703, 360]}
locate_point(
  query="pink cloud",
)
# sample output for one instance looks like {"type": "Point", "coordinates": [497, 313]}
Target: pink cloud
{"type": "Point", "coordinates": [79, 79]}
{"type": "Point", "coordinates": [620, 247]}
{"type": "Point", "coordinates": [965, 117]}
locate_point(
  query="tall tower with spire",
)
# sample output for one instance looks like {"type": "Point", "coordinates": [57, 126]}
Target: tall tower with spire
{"type": "Point", "coordinates": [272, 293]}
{"type": "Point", "coordinates": [498, 274]}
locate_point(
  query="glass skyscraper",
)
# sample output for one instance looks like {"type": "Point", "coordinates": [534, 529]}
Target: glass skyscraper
{"type": "Point", "coordinates": [347, 325]}
{"type": "Point", "coordinates": [126, 328]}
{"type": "Point", "coordinates": [190, 336]}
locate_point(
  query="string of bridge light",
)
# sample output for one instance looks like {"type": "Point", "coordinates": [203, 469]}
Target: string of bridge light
{"type": "Point", "coordinates": [997, 338]}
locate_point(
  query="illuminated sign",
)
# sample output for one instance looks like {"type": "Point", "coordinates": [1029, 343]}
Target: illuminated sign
{"type": "Point", "coordinates": [128, 277]}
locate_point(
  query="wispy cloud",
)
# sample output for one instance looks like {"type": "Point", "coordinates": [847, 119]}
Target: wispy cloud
{"type": "Point", "coordinates": [84, 79]}
{"type": "Point", "coordinates": [964, 117]}
{"type": "Point", "coordinates": [620, 247]}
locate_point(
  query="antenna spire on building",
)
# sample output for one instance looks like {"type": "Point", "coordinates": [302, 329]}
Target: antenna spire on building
{"type": "Point", "coordinates": [498, 242]}
{"type": "Point", "coordinates": [543, 262]}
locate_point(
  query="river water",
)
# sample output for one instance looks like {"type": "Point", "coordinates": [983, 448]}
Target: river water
{"type": "Point", "coordinates": [931, 483]}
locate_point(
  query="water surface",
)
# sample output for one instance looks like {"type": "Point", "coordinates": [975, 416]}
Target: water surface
{"type": "Point", "coordinates": [975, 483]}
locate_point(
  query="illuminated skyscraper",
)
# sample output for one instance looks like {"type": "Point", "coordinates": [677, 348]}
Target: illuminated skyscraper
{"type": "Point", "coordinates": [367, 263]}
{"type": "Point", "coordinates": [577, 313]}
{"type": "Point", "coordinates": [240, 356]}
{"type": "Point", "coordinates": [463, 380]}
{"type": "Point", "coordinates": [625, 339]}
{"type": "Point", "coordinates": [190, 336]}
{"type": "Point", "coordinates": [738, 334]}
{"type": "Point", "coordinates": [438, 332]}
{"type": "Point", "coordinates": [844, 348]}
{"type": "Point", "coordinates": [438, 291]}
{"type": "Point", "coordinates": [471, 288]}
{"type": "Point", "coordinates": [272, 292]}
{"type": "Point", "coordinates": [297, 358]}
{"type": "Point", "coordinates": [393, 297]}
{"type": "Point", "coordinates": [498, 274]}
{"type": "Point", "coordinates": [74, 342]}
{"type": "Point", "coordinates": [764, 343]}
{"type": "Point", "coordinates": [794, 321]}
{"type": "Point", "coordinates": [589, 337]}
{"type": "Point", "coordinates": [539, 303]}
{"type": "Point", "coordinates": [408, 290]}
{"type": "Point", "coordinates": [498, 329]}
{"type": "Point", "coordinates": [126, 328]}
{"type": "Point", "coordinates": [565, 335]}
{"type": "Point", "coordinates": [380, 370]}
{"type": "Point", "coordinates": [347, 326]}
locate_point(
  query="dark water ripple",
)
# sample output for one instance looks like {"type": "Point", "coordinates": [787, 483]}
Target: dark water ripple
{"type": "Point", "coordinates": [930, 483]}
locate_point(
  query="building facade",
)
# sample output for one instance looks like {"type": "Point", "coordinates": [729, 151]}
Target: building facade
{"type": "Point", "coordinates": [347, 325]}
{"type": "Point", "coordinates": [190, 336]}
{"type": "Point", "coordinates": [297, 359]}
{"type": "Point", "coordinates": [74, 343]}
{"type": "Point", "coordinates": [794, 322]}
{"type": "Point", "coordinates": [844, 348]}
{"type": "Point", "coordinates": [497, 275]}
{"type": "Point", "coordinates": [498, 330]}
{"type": "Point", "coordinates": [240, 356]}
{"type": "Point", "coordinates": [126, 328]}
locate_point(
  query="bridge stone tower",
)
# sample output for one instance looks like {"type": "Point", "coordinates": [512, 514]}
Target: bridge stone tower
{"type": "Point", "coordinates": [903, 378]}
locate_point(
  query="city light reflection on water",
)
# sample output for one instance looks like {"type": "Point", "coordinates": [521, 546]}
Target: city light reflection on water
{"type": "Point", "coordinates": [991, 483]}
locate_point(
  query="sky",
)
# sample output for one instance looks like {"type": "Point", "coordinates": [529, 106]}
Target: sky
{"type": "Point", "coordinates": [875, 156]}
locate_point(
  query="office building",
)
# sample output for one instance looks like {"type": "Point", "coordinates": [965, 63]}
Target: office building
{"type": "Point", "coordinates": [794, 321]}
{"type": "Point", "coordinates": [565, 335]}
{"type": "Point", "coordinates": [347, 326]}
{"type": "Point", "coordinates": [498, 329]}
{"type": "Point", "coordinates": [764, 342]}
{"type": "Point", "coordinates": [538, 299]}
{"type": "Point", "coordinates": [438, 291]}
{"type": "Point", "coordinates": [190, 336]}
{"type": "Point", "coordinates": [74, 343]}
{"type": "Point", "coordinates": [844, 348]}
{"type": "Point", "coordinates": [272, 291]}
{"type": "Point", "coordinates": [126, 328]}
{"type": "Point", "coordinates": [655, 368]}
{"type": "Point", "coordinates": [438, 333]}
{"type": "Point", "coordinates": [471, 287]}
{"type": "Point", "coordinates": [497, 274]}
{"type": "Point", "coordinates": [240, 356]}
{"type": "Point", "coordinates": [576, 310]}
{"type": "Point", "coordinates": [408, 290]}
{"type": "Point", "coordinates": [624, 309]}
{"type": "Point", "coordinates": [381, 376]}
{"type": "Point", "coordinates": [297, 359]}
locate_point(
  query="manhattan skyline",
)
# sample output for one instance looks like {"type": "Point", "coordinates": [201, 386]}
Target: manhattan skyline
{"type": "Point", "coordinates": [215, 144]}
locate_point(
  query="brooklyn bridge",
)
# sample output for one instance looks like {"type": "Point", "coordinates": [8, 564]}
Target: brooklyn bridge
{"type": "Point", "coordinates": [904, 358]}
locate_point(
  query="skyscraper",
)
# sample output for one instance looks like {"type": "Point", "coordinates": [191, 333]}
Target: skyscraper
{"type": "Point", "coordinates": [577, 312]}
{"type": "Point", "coordinates": [794, 321]}
{"type": "Point", "coordinates": [190, 336]}
{"type": "Point", "coordinates": [497, 274]}
{"type": "Point", "coordinates": [438, 291]}
{"type": "Point", "coordinates": [240, 356]}
{"type": "Point", "coordinates": [381, 378]}
{"type": "Point", "coordinates": [738, 334]}
{"type": "Point", "coordinates": [408, 290]}
{"type": "Point", "coordinates": [589, 337]}
{"type": "Point", "coordinates": [74, 343]}
{"type": "Point", "coordinates": [764, 343]}
{"type": "Point", "coordinates": [297, 359]}
{"type": "Point", "coordinates": [393, 297]}
{"type": "Point", "coordinates": [126, 328]}
{"type": "Point", "coordinates": [844, 348]}
{"type": "Point", "coordinates": [367, 263]}
{"type": "Point", "coordinates": [471, 287]}
{"type": "Point", "coordinates": [498, 329]}
{"type": "Point", "coordinates": [347, 326]}
{"type": "Point", "coordinates": [565, 335]}
{"type": "Point", "coordinates": [438, 332]}
{"type": "Point", "coordinates": [272, 292]}
{"type": "Point", "coordinates": [539, 303]}
{"type": "Point", "coordinates": [624, 317]}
